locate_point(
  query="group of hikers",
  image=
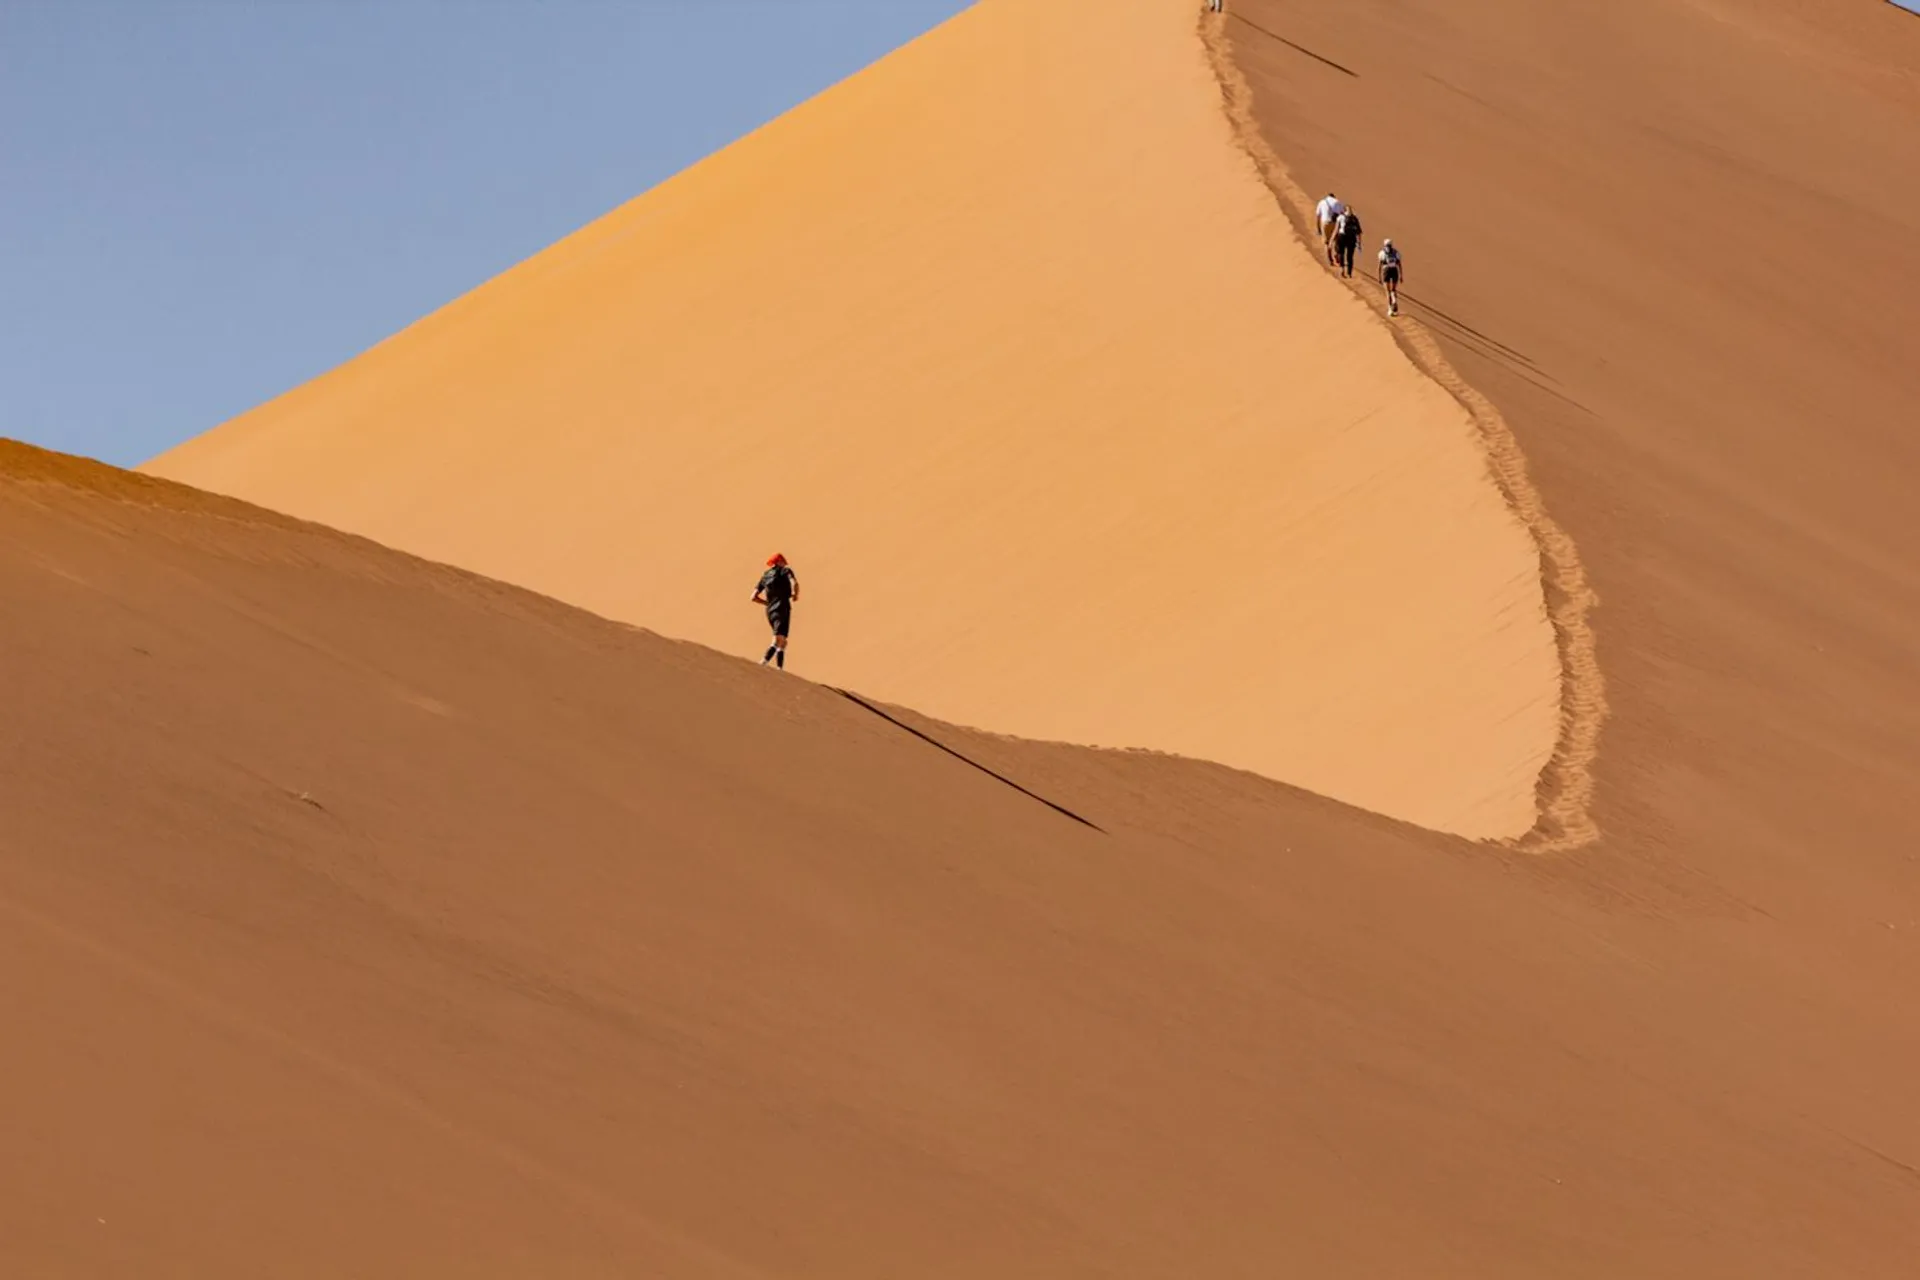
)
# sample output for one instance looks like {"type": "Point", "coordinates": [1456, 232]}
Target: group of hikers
{"type": "Point", "coordinates": [1340, 228]}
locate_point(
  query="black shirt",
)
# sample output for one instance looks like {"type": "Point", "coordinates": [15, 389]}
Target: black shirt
{"type": "Point", "coordinates": [777, 585]}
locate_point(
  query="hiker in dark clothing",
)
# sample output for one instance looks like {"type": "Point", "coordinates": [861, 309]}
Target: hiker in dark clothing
{"type": "Point", "coordinates": [1346, 241]}
{"type": "Point", "coordinates": [1392, 271]}
{"type": "Point", "coordinates": [779, 591]}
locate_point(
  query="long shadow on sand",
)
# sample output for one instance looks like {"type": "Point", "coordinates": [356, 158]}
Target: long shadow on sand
{"type": "Point", "coordinates": [1482, 344]}
{"type": "Point", "coordinates": [1275, 35]}
{"type": "Point", "coordinates": [998, 777]}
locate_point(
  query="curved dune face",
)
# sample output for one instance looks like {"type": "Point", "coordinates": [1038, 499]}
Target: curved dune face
{"type": "Point", "coordinates": [1005, 344]}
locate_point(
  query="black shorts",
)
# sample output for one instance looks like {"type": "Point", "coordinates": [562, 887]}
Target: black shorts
{"type": "Point", "coordinates": [1389, 275]}
{"type": "Point", "coordinates": [780, 617]}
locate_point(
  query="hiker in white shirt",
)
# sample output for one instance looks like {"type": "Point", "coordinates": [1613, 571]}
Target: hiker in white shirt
{"type": "Point", "coordinates": [1327, 213]}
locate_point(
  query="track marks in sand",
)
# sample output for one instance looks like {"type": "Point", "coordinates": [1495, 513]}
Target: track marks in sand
{"type": "Point", "coordinates": [1565, 790]}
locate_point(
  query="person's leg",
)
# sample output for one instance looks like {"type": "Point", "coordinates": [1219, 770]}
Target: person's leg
{"type": "Point", "coordinates": [777, 618]}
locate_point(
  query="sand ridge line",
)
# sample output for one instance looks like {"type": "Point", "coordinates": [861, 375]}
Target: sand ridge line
{"type": "Point", "coordinates": [1565, 789]}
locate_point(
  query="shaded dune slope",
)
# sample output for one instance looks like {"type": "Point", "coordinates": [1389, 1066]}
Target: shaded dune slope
{"type": "Point", "coordinates": [1004, 341]}
{"type": "Point", "coordinates": [362, 916]}
{"type": "Point", "coordinates": [1722, 419]}
{"type": "Point", "coordinates": [1676, 243]}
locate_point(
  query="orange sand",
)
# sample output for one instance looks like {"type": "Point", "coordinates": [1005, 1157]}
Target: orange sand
{"type": "Point", "coordinates": [362, 917]}
{"type": "Point", "coordinates": [1005, 343]}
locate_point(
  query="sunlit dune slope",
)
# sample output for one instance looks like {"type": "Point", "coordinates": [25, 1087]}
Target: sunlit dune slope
{"type": "Point", "coordinates": [1006, 345]}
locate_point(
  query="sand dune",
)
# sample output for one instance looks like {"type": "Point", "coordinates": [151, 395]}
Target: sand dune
{"type": "Point", "coordinates": [360, 917]}
{"type": "Point", "coordinates": [1004, 342]}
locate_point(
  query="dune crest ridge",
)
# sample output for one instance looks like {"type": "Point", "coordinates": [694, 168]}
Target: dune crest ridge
{"type": "Point", "coordinates": [1565, 794]}
{"type": "Point", "coordinates": [1007, 343]}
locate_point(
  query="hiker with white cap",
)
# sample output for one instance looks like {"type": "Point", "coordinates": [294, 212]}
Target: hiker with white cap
{"type": "Point", "coordinates": [1390, 275]}
{"type": "Point", "coordinates": [1327, 214]}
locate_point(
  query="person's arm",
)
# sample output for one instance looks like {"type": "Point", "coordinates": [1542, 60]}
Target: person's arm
{"type": "Point", "coordinates": [794, 578]}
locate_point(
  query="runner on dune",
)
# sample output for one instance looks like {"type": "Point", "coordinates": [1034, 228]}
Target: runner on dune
{"type": "Point", "coordinates": [779, 591]}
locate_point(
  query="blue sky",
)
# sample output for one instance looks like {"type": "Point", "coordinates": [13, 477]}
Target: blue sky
{"type": "Point", "coordinates": [206, 202]}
